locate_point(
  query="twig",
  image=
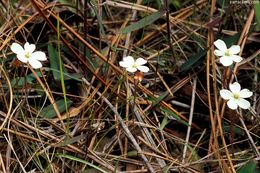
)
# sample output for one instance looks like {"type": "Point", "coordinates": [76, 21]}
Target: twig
{"type": "Point", "coordinates": [8, 140]}
{"type": "Point", "coordinates": [2, 164]}
{"type": "Point", "coordinates": [12, 148]}
{"type": "Point", "coordinates": [242, 40]}
{"type": "Point", "coordinates": [146, 132]}
{"type": "Point", "coordinates": [11, 99]}
{"type": "Point", "coordinates": [190, 119]}
{"type": "Point", "coordinates": [249, 136]}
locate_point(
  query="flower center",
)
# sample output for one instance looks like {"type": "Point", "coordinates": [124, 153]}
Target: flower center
{"type": "Point", "coordinates": [227, 53]}
{"type": "Point", "coordinates": [27, 55]}
{"type": "Point", "coordinates": [236, 96]}
{"type": "Point", "coordinates": [134, 66]}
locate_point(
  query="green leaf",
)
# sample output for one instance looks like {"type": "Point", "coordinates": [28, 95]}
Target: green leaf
{"type": "Point", "coordinates": [227, 128]}
{"type": "Point", "coordinates": [143, 22]}
{"type": "Point", "coordinates": [81, 161]}
{"type": "Point", "coordinates": [194, 61]}
{"type": "Point", "coordinates": [157, 100]}
{"type": "Point", "coordinates": [20, 81]}
{"type": "Point", "coordinates": [54, 62]}
{"type": "Point", "coordinates": [49, 112]}
{"type": "Point", "coordinates": [248, 168]}
{"type": "Point", "coordinates": [67, 76]}
{"type": "Point", "coordinates": [169, 113]}
{"type": "Point", "coordinates": [257, 14]}
{"type": "Point", "coordinates": [232, 39]}
{"type": "Point", "coordinates": [164, 123]}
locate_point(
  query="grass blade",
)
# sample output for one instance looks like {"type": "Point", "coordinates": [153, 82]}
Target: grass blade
{"type": "Point", "coordinates": [81, 161]}
{"type": "Point", "coordinates": [143, 22]}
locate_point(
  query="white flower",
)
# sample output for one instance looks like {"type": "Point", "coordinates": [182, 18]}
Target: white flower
{"type": "Point", "coordinates": [132, 66]}
{"type": "Point", "coordinates": [27, 54]}
{"type": "Point", "coordinates": [235, 96]}
{"type": "Point", "coordinates": [227, 56]}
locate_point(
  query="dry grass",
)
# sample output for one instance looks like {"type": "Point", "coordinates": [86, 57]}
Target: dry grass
{"type": "Point", "coordinates": [82, 112]}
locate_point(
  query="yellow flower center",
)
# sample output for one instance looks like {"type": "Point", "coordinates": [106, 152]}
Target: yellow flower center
{"type": "Point", "coordinates": [236, 96]}
{"type": "Point", "coordinates": [134, 66]}
{"type": "Point", "coordinates": [27, 55]}
{"type": "Point", "coordinates": [227, 53]}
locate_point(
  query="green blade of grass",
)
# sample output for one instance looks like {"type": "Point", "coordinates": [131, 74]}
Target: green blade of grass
{"type": "Point", "coordinates": [169, 113]}
{"type": "Point", "coordinates": [156, 101]}
{"type": "Point", "coordinates": [143, 22]}
{"type": "Point", "coordinates": [81, 161]}
{"type": "Point", "coordinates": [61, 65]}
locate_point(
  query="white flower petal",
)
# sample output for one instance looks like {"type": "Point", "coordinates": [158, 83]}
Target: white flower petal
{"type": "Point", "coordinates": [29, 47]}
{"type": "Point", "coordinates": [232, 104]}
{"type": "Point", "coordinates": [125, 64]}
{"type": "Point", "coordinates": [244, 104]}
{"type": "Point", "coordinates": [129, 59]}
{"type": "Point", "coordinates": [235, 49]}
{"type": "Point", "coordinates": [22, 58]}
{"type": "Point", "coordinates": [235, 87]}
{"type": "Point", "coordinates": [143, 68]}
{"type": "Point", "coordinates": [245, 93]}
{"type": "Point", "coordinates": [226, 61]}
{"type": "Point", "coordinates": [219, 53]}
{"type": "Point", "coordinates": [140, 61]}
{"type": "Point", "coordinates": [131, 69]}
{"type": "Point", "coordinates": [226, 94]}
{"type": "Point", "coordinates": [39, 55]}
{"type": "Point", "coordinates": [17, 48]}
{"type": "Point", "coordinates": [35, 63]}
{"type": "Point", "coordinates": [221, 45]}
{"type": "Point", "coordinates": [236, 58]}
